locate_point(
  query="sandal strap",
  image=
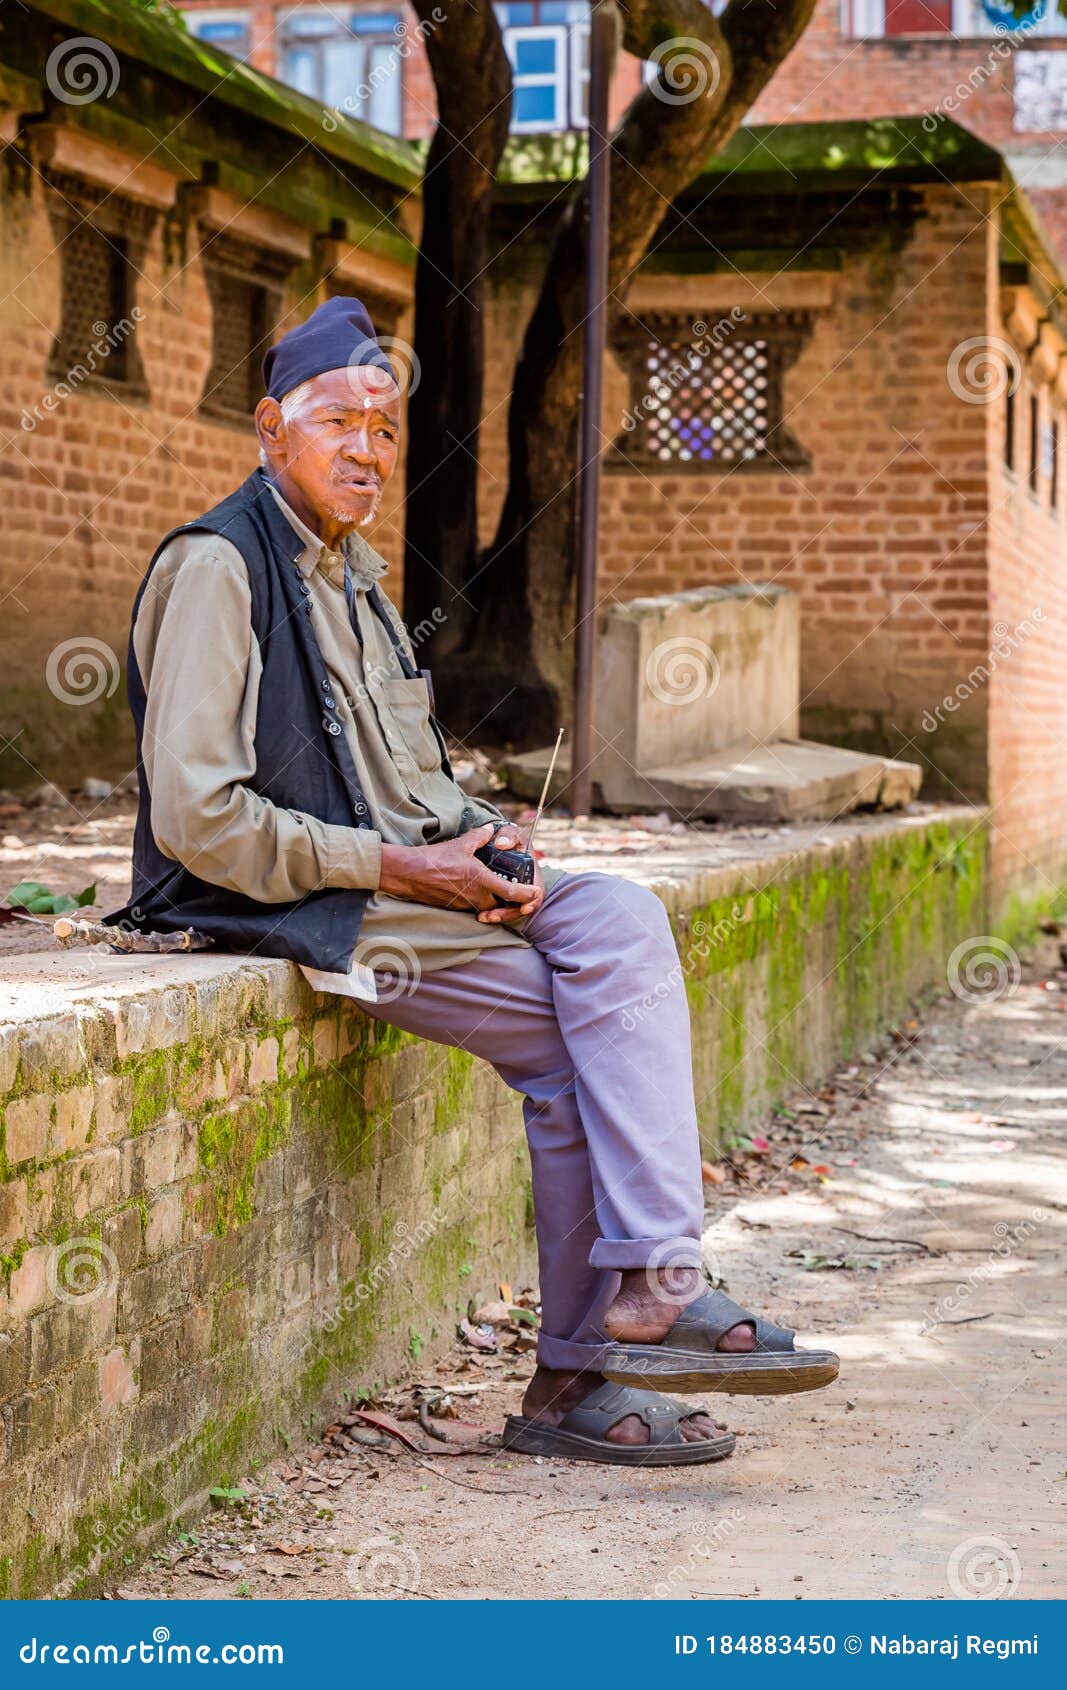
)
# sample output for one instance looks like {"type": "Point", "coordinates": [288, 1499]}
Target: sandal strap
{"type": "Point", "coordinates": [700, 1326]}
{"type": "Point", "coordinates": [603, 1408]}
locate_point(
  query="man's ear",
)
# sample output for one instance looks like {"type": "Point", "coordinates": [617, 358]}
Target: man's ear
{"type": "Point", "coordinates": [270, 426]}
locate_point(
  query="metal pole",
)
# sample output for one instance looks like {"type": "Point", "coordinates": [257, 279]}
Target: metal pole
{"type": "Point", "coordinates": [601, 41]}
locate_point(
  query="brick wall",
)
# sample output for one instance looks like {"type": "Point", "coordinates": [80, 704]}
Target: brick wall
{"type": "Point", "coordinates": [226, 1200]}
{"type": "Point", "coordinates": [830, 76]}
{"type": "Point", "coordinates": [1027, 615]}
{"type": "Point", "coordinates": [91, 487]}
{"type": "Point", "coordinates": [883, 538]}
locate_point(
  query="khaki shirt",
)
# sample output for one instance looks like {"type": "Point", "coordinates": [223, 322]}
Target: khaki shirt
{"type": "Point", "coordinates": [199, 659]}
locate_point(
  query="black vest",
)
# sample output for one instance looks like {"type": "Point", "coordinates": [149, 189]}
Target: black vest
{"type": "Point", "coordinates": [302, 757]}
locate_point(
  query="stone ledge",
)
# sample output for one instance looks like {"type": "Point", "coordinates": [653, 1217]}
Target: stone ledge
{"type": "Point", "coordinates": [226, 1199]}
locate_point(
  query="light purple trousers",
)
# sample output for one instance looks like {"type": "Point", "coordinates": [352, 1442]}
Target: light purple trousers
{"type": "Point", "coordinates": [590, 1023]}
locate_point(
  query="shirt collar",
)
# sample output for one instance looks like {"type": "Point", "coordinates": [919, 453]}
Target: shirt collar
{"type": "Point", "coordinates": [364, 563]}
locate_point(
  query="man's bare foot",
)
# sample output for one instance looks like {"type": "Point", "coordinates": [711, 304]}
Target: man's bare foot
{"type": "Point", "coordinates": [649, 1303]}
{"type": "Point", "coordinates": [551, 1393]}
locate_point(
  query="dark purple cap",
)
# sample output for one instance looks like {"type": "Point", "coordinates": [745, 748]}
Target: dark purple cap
{"type": "Point", "coordinates": [337, 335]}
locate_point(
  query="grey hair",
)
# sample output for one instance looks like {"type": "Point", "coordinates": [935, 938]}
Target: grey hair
{"type": "Point", "coordinates": [288, 403]}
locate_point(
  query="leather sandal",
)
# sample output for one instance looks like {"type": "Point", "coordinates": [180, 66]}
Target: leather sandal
{"type": "Point", "coordinates": [580, 1434]}
{"type": "Point", "coordinates": [687, 1358]}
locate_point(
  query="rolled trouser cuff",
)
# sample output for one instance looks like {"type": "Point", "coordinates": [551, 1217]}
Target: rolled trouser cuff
{"type": "Point", "coordinates": [572, 1357]}
{"type": "Point", "coordinates": [669, 1253]}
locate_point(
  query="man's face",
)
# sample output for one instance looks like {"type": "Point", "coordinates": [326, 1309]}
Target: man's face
{"type": "Point", "coordinates": [335, 445]}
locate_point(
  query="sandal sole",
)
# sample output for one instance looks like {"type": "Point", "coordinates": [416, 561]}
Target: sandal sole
{"type": "Point", "coordinates": [526, 1437]}
{"type": "Point", "coordinates": [744, 1375]}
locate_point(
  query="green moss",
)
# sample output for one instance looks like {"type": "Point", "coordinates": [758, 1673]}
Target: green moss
{"type": "Point", "coordinates": [232, 1144]}
{"type": "Point", "coordinates": [11, 1262]}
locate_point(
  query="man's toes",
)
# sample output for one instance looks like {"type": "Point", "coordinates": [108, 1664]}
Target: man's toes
{"type": "Point", "coordinates": [739, 1340]}
{"type": "Point", "coordinates": [631, 1430]}
{"type": "Point", "coordinates": [696, 1427]}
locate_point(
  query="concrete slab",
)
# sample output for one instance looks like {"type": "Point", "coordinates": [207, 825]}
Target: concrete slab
{"type": "Point", "coordinates": [787, 780]}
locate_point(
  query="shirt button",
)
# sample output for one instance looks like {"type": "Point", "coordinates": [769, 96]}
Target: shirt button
{"type": "Point", "coordinates": [329, 702]}
{"type": "Point", "coordinates": [361, 809]}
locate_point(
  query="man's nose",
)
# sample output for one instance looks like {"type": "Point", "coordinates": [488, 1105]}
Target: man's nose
{"type": "Point", "coordinates": [358, 446]}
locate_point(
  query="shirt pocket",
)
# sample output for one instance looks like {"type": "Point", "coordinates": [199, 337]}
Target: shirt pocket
{"type": "Point", "coordinates": [408, 703]}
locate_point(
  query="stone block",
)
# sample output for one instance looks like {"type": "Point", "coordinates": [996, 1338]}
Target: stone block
{"type": "Point", "coordinates": [12, 1214]}
{"type": "Point", "coordinates": [96, 1181]}
{"type": "Point", "coordinates": [52, 1050]}
{"type": "Point", "coordinates": [118, 1377]}
{"type": "Point", "coordinates": [163, 1230]}
{"type": "Point", "coordinates": [154, 1020]}
{"type": "Point", "coordinates": [113, 1098]}
{"type": "Point", "coordinates": [73, 1119]}
{"type": "Point", "coordinates": [263, 1064]}
{"type": "Point", "coordinates": [28, 1289]}
{"type": "Point", "coordinates": [70, 1331]}
{"type": "Point", "coordinates": [27, 1122]}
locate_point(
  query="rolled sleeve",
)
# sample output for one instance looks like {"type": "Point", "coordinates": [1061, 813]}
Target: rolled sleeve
{"type": "Point", "coordinates": [353, 857]}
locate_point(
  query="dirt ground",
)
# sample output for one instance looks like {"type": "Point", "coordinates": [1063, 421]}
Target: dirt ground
{"type": "Point", "coordinates": [914, 1211]}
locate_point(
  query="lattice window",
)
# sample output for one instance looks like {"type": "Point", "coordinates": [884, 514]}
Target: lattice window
{"type": "Point", "coordinates": [708, 397]}
{"type": "Point", "coordinates": [101, 241]}
{"type": "Point", "coordinates": [245, 287]}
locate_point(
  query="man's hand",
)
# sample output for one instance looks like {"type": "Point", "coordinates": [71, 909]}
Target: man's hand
{"type": "Point", "coordinates": [449, 876]}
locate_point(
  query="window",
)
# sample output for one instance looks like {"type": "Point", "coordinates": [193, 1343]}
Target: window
{"type": "Point", "coordinates": [101, 241]}
{"type": "Point", "coordinates": [1009, 426]}
{"type": "Point", "coordinates": [244, 284]}
{"type": "Point", "coordinates": [709, 400]}
{"type": "Point", "coordinates": [225, 29]}
{"type": "Point", "coordinates": [1052, 463]}
{"type": "Point", "coordinates": [348, 60]}
{"type": "Point", "coordinates": [547, 43]}
{"type": "Point", "coordinates": [956, 19]}
{"type": "Point", "coordinates": [1033, 455]}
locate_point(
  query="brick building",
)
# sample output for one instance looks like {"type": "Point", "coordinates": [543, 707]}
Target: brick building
{"type": "Point", "coordinates": [865, 316]}
{"type": "Point", "coordinates": [860, 330]}
{"type": "Point", "coordinates": [144, 267]}
{"type": "Point", "coordinates": [858, 58]}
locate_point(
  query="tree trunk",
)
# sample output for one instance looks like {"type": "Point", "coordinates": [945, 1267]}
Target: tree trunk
{"type": "Point", "coordinates": [473, 82]}
{"type": "Point", "coordinates": [512, 678]}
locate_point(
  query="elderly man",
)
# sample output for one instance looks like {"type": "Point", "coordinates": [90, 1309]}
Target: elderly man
{"type": "Point", "coordinates": [296, 800]}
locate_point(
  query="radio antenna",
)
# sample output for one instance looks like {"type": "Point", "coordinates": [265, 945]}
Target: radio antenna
{"type": "Point", "coordinates": [544, 789]}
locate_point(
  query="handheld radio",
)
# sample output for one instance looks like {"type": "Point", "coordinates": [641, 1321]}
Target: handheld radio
{"type": "Point", "coordinates": [519, 866]}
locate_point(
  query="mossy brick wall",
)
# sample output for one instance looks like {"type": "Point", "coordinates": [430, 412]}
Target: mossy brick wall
{"type": "Point", "coordinates": [226, 1200]}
